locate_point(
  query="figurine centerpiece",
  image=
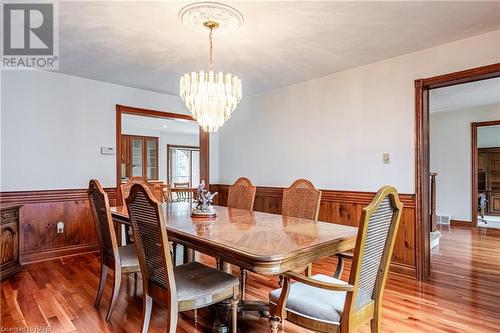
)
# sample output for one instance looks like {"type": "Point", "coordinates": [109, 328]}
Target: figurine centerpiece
{"type": "Point", "coordinates": [204, 201]}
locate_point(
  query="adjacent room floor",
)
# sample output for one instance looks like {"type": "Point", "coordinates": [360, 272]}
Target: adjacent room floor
{"type": "Point", "coordinates": [489, 222]}
{"type": "Point", "coordinates": [462, 296]}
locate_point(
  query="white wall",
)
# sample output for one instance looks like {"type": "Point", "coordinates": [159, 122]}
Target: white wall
{"type": "Point", "coordinates": [488, 136]}
{"type": "Point", "coordinates": [53, 125]}
{"type": "Point", "coordinates": [334, 130]}
{"type": "Point", "coordinates": [450, 157]}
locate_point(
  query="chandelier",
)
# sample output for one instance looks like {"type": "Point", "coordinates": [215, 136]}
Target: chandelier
{"type": "Point", "coordinates": [210, 96]}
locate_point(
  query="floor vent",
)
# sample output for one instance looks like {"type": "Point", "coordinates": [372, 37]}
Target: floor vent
{"type": "Point", "coordinates": [443, 219]}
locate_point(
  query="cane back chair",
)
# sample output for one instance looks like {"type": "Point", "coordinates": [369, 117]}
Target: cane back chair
{"type": "Point", "coordinates": [326, 304]}
{"type": "Point", "coordinates": [155, 187]}
{"type": "Point", "coordinates": [122, 259]}
{"type": "Point", "coordinates": [187, 287]}
{"type": "Point", "coordinates": [302, 200]}
{"type": "Point", "coordinates": [242, 196]}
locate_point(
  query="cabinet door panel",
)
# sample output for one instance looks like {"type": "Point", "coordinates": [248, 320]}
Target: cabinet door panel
{"type": "Point", "coordinates": [495, 204]}
{"type": "Point", "coordinates": [8, 243]}
{"type": "Point", "coordinates": [136, 152]}
{"type": "Point", "coordinates": [481, 162]}
{"type": "Point", "coordinates": [152, 159]}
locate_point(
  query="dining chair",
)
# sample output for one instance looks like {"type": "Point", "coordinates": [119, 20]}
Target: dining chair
{"type": "Point", "coordinates": [242, 196]}
{"type": "Point", "coordinates": [156, 188]}
{"type": "Point", "coordinates": [182, 195]}
{"type": "Point", "coordinates": [122, 259]}
{"type": "Point", "coordinates": [167, 193]}
{"type": "Point", "coordinates": [187, 287]}
{"type": "Point", "coordinates": [326, 304]}
{"type": "Point", "coordinates": [302, 200]}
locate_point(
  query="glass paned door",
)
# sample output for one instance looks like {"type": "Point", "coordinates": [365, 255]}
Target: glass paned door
{"type": "Point", "coordinates": [137, 161]}
{"type": "Point", "coordinates": [152, 159]}
{"type": "Point", "coordinates": [195, 168]}
{"type": "Point", "coordinates": [183, 165]}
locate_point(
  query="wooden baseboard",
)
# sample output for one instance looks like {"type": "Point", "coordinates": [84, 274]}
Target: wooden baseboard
{"type": "Point", "coordinates": [460, 223]}
{"type": "Point", "coordinates": [56, 253]}
{"type": "Point", "coordinates": [403, 270]}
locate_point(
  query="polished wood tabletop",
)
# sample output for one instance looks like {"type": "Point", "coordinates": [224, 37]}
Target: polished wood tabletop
{"type": "Point", "coordinates": [261, 242]}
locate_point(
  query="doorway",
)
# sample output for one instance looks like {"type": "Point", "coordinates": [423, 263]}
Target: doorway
{"type": "Point", "coordinates": [422, 156]}
{"type": "Point", "coordinates": [142, 140]}
{"type": "Point", "coordinates": [485, 138]}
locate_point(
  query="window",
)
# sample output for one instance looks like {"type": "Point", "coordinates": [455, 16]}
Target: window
{"type": "Point", "coordinates": [183, 165]}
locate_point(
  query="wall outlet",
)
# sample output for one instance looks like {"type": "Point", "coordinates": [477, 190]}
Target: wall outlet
{"type": "Point", "coordinates": [60, 227]}
{"type": "Point", "coordinates": [386, 158]}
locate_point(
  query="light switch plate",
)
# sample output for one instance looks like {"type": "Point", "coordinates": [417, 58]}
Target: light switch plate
{"type": "Point", "coordinates": [107, 150]}
{"type": "Point", "coordinates": [386, 158]}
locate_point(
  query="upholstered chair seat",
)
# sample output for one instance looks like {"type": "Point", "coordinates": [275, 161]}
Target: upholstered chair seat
{"type": "Point", "coordinates": [326, 304]}
{"type": "Point", "coordinates": [195, 281]}
{"type": "Point", "coordinates": [128, 258]}
{"type": "Point", "coordinates": [312, 302]}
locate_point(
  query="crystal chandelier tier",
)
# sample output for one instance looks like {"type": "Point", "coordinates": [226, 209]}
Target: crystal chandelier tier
{"type": "Point", "coordinates": [211, 96]}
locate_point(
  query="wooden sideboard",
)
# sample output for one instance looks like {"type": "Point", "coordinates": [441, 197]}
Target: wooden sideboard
{"type": "Point", "coordinates": [9, 241]}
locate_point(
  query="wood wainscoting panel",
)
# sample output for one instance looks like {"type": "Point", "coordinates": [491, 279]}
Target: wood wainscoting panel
{"type": "Point", "coordinates": [39, 215]}
{"type": "Point", "coordinates": [344, 207]}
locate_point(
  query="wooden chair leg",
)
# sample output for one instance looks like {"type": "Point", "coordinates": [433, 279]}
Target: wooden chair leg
{"type": "Point", "coordinates": [375, 323]}
{"type": "Point", "coordinates": [146, 312]}
{"type": "Point", "coordinates": [280, 282]}
{"type": "Point", "coordinates": [116, 291]}
{"type": "Point", "coordinates": [243, 283]}
{"type": "Point", "coordinates": [135, 283]}
{"type": "Point", "coordinates": [375, 326]}
{"type": "Point", "coordinates": [174, 251]}
{"type": "Point", "coordinates": [234, 315]}
{"type": "Point", "coordinates": [102, 284]}
{"type": "Point", "coordinates": [340, 267]}
{"type": "Point", "coordinates": [195, 315]}
{"type": "Point", "coordinates": [172, 317]}
{"type": "Point", "coordinates": [308, 271]}
{"type": "Point", "coordinates": [274, 322]}
{"type": "Point", "coordinates": [218, 264]}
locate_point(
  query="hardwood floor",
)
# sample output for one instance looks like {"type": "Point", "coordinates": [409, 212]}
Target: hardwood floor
{"type": "Point", "coordinates": [463, 295]}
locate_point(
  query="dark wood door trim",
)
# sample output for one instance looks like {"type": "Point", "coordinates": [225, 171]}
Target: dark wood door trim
{"type": "Point", "coordinates": [473, 131]}
{"type": "Point", "coordinates": [204, 139]}
{"type": "Point", "coordinates": [422, 188]}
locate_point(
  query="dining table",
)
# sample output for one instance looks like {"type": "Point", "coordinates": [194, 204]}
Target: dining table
{"type": "Point", "coordinates": [263, 243]}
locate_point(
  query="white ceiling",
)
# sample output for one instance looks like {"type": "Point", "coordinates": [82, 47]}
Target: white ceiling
{"type": "Point", "coordinates": [144, 45]}
{"type": "Point", "coordinates": [165, 125]}
{"type": "Point", "coordinates": [466, 95]}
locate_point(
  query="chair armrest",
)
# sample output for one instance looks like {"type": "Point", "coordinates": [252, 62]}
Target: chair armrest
{"type": "Point", "coordinates": [319, 284]}
{"type": "Point", "coordinates": [280, 309]}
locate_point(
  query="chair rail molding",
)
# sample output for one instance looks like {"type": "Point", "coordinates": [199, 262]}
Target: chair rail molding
{"type": "Point", "coordinates": [39, 215]}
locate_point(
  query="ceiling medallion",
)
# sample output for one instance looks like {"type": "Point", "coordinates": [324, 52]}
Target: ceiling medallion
{"type": "Point", "coordinates": [195, 15]}
{"type": "Point", "coordinates": [211, 97]}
